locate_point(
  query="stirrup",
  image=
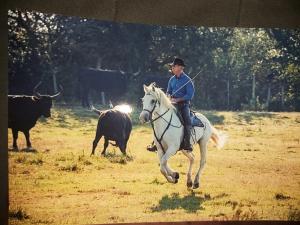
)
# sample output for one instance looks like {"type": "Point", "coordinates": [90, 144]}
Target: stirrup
{"type": "Point", "coordinates": [152, 148]}
{"type": "Point", "coordinates": [187, 146]}
{"type": "Point", "coordinates": [190, 149]}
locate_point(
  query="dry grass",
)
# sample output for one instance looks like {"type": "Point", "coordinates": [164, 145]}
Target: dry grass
{"type": "Point", "coordinates": [255, 176]}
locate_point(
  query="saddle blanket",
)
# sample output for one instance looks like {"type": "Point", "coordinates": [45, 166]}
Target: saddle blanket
{"type": "Point", "coordinates": [196, 122]}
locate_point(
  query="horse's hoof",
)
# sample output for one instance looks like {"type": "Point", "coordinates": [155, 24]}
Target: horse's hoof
{"type": "Point", "coordinates": [189, 184]}
{"type": "Point", "coordinates": [29, 149]}
{"type": "Point", "coordinates": [176, 176]}
{"type": "Point", "coordinates": [196, 185]}
{"type": "Point", "coordinates": [176, 181]}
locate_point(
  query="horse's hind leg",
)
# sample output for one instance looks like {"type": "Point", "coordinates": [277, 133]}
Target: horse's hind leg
{"type": "Point", "coordinates": [203, 147]}
{"type": "Point", "coordinates": [191, 158]}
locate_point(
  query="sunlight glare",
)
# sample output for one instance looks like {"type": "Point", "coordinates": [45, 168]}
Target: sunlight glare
{"type": "Point", "coordinates": [123, 108]}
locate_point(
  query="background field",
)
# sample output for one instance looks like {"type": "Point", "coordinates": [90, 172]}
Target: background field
{"type": "Point", "coordinates": [255, 176]}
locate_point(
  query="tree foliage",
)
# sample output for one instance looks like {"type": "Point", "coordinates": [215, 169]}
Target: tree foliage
{"type": "Point", "coordinates": [239, 68]}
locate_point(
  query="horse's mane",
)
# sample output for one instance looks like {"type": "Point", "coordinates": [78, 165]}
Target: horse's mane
{"type": "Point", "coordinates": [161, 96]}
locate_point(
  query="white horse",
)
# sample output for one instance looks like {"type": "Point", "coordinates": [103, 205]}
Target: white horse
{"type": "Point", "coordinates": [168, 133]}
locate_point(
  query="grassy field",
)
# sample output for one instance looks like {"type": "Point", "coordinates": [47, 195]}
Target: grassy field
{"type": "Point", "coordinates": [256, 176]}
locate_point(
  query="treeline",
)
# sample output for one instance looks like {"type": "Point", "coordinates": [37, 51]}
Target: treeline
{"type": "Point", "coordinates": [240, 69]}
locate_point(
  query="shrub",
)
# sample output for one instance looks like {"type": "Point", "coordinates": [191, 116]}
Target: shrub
{"type": "Point", "coordinates": [18, 214]}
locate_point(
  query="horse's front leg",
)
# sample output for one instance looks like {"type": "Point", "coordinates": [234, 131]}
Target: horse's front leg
{"type": "Point", "coordinates": [170, 175]}
{"type": "Point", "coordinates": [169, 171]}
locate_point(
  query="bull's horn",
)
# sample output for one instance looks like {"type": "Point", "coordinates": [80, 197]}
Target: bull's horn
{"type": "Point", "coordinates": [58, 93]}
{"type": "Point", "coordinates": [34, 89]}
{"type": "Point", "coordinates": [37, 94]}
{"type": "Point", "coordinates": [121, 71]}
{"type": "Point", "coordinates": [138, 72]}
{"type": "Point", "coordinates": [110, 104]}
{"type": "Point", "coordinates": [93, 109]}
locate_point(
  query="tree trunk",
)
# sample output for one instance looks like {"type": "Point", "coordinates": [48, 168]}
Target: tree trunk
{"type": "Point", "coordinates": [103, 97]}
{"type": "Point", "coordinates": [99, 63]}
{"type": "Point", "coordinates": [228, 95]}
{"type": "Point", "coordinates": [253, 102]}
{"type": "Point", "coordinates": [268, 97]}
{"type": "Point", "coordinates": [54, 81]}
{"type": "Point", "coordinates": [282, 97]}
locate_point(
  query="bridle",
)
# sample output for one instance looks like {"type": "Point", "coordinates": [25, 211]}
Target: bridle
{"type": "Point", "coordinates": [151, 112]}
{"type": "Point", "coordinates": [159, 116]}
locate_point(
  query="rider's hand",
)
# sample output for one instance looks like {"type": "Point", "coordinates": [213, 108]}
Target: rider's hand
{"type": "Point", "coordinates": [174, 100]}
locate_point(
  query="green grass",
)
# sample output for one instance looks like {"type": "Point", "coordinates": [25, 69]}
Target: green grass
{"type": "Point", "coordinates": [255, 176]}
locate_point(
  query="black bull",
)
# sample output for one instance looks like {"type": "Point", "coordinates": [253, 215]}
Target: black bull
{"type": "Point", "coordinates": [114, 83]}
{"type": "Point", "coordinates": [114, 125]}
{"type": "Point", "coordinates": [24, 111]}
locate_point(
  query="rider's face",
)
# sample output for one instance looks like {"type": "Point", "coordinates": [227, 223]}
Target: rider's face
{"type": "Point", "coordinates": [176, 69]}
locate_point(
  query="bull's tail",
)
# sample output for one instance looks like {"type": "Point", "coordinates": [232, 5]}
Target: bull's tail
{"type": "Point", "coordinates": [218, 138]}
{"type": "Point", "coordinates": [93, 109]}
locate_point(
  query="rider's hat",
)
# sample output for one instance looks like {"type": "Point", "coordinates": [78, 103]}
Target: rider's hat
{"type": "Point", "coordinates": [177, 61]}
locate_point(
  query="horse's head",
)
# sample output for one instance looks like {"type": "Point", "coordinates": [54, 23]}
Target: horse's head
{"type": "Point", "coordinates": [150, 100]}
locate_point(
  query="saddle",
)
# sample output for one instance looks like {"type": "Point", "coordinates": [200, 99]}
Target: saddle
{"type": "Point", "coordinates": [196, 122]}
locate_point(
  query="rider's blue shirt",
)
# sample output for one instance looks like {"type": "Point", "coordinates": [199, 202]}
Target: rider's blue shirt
{"type": "Point", "coordinates": [175, 83]}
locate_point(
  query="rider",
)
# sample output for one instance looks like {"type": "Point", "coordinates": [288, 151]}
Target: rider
{"type": "Point", "coordinates": [181, 91]}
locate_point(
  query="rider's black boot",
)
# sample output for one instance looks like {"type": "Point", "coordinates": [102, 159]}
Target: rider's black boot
{"type": "Point", "coordinates": [152, 147]}
{"type": "Point", "coordinates": [187, 137]}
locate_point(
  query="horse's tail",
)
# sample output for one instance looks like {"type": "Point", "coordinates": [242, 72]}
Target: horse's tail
{"type": "Point", "coordinates": [218, 138]}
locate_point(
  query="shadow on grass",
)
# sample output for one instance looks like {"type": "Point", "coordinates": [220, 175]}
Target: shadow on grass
{"type": "Point", "coordinates": [83, 114]}
{"type": "Point", "coordinates": [118, 158]}
{"type": "Point", "coordinates": [70, 116]}
{"type": "Point", "coordinates": [214, 118]}
{"type": "Point", "coordinates": [26, 150]}
{"type": "Point", "coordinates": [190, 203]}
{"type": "Point", "coordinates": [43, 120]}
{"type": "Point", "coordinates": [249, 116]}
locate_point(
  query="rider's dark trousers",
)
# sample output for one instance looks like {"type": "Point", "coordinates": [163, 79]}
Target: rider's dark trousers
{"type": "Point", "coordinates": [184, 109]}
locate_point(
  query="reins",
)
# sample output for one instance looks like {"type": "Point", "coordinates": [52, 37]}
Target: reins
{"type": "Point", "coordinates": [160, 116]}
{"type": "Point", "coordinates": [161, 137]}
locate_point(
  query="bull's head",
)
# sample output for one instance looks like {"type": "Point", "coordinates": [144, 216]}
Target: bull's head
{"type": "Point", "coordinates": [132, 75]}
{"type": "Point", "coordinates": [37, 94]}
{"type": "Point", "coordinates": [44, 101]}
